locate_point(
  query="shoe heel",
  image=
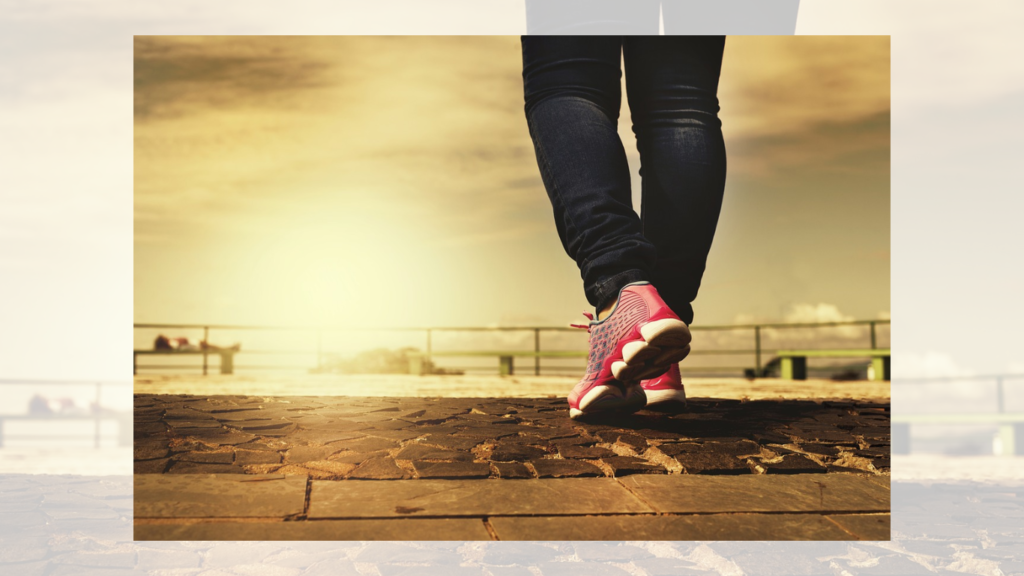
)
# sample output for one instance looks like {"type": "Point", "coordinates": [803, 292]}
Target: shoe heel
{"type": "Point", "coordinates": [666, 333]}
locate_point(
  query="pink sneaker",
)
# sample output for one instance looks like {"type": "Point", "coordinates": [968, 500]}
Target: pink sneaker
{"type": "Point", "coordinates": [666, 388]}
{"type": "Point", "coordinates": [640, 339]}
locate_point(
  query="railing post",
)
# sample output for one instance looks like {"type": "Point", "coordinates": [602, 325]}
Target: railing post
{"type": "Point", "coordinates": [999, 395]}
{"type": "Point", "coordinates": [536, 349]}
{"type": "Point", "coordinates": [757, 350]}
{"type": "Point", "coordinates": [206, 338]}
{"type": "Point", "coordinates": [874, 341]}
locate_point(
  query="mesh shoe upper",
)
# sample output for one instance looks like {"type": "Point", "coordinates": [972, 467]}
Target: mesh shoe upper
{"type": "Point", "coordinates": [637, 305]}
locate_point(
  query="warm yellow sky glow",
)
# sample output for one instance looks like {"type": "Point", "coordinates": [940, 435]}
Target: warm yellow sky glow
{"type": "Point", "coordinates": [391, 181]}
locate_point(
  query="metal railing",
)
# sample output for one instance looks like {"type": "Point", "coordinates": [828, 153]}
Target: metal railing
{"type": "Point", "coordinates": [95, 412]}
{"type": "Point", "coordinates": [757, 352]}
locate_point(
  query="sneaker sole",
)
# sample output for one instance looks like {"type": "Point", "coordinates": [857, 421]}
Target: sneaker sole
{"type": "Point", "coordinates": [665, 396]}
{"type": "Point", "coordinates": [609, 399]}
{"type": "Point", "coordinates": [664, 342]}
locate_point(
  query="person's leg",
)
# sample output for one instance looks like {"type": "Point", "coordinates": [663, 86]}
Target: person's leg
{"type": "Point", "coordinates": [572, 96]}
{"type": "Point", "coordinates": [572, 93]}
{"type": "Point", "coordinates": [672, 84]}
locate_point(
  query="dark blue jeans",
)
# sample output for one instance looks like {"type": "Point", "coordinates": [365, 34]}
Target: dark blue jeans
{"type": "Point", "coordinates": [571, 85]}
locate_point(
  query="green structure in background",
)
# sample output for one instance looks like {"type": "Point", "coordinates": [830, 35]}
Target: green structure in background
{"type": "Point", "coordinates": [794, 362]}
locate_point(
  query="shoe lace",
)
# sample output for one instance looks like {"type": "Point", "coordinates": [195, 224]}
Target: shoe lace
{"type": "Point", "coordinates": [584, 326]}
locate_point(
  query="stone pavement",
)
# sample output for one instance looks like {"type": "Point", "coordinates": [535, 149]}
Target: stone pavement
{"type": "Point", "coordinates": [255, 467]}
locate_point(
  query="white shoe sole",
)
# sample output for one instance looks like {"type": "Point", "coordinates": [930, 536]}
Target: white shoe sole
{"type": "Point", "coordinates": [665, 396]}
{"type": "Point", "coordinates": [665, 342]}
{"type": "Point", "coordinates": [610, 399]}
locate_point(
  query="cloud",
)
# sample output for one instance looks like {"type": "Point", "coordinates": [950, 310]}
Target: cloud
{"type": "Point", "coordinates": [851, 336]}
{"type": "Point", "coordinates": [820, 312]}
{"type": "Point", "coordinates": [781, 85]}
{"type": "Point", "coordinates": [231, 129]}
{"type": "Point", "coordinates": [837, 147]}
{"type": "Point", "coordinates": [181, 75]}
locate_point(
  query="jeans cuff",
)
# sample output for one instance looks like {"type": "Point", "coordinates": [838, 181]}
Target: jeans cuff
{"type": "Point", "coordinates": [606, 291]}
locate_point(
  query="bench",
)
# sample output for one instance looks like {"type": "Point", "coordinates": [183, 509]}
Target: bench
{"type": "Point", "coordinates": [227, 358]}
{"type": "Point", "coordinates": [505, 358]}
{"type": "Point", "coordinates": [794, 362]}
{"type": "Point", "coordinates": [124, 420]}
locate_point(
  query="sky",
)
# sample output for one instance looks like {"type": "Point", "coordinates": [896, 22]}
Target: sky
{"type": "Point", "coordinates": [391, 181]}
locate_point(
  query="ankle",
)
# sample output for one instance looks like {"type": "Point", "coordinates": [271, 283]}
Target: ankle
{"type": "Point", "coordinates": [602, 314]}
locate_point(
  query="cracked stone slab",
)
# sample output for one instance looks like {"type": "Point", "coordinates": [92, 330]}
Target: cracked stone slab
{"type": "Point", "coordinates": [300, 454]}
{"type": "Point", "coordinates": [690, 494]}
{"type": "Point", "coordinates": [215, 496]}
{"type": "Point", "coordinates": [421, 452]}
{"type": "Point", "coordinates": [452, 469]}
{"type": "Point", "coordinates": [696, 460]}
{"type": "Point", "coordinates": [687, 527]}
{"type": "Point", "coordinates": [397, 529]}
{"type": "Point", "coordinates": [511, 470]}
{"type": "Point", "coordinates": [190, 424]}
{"type": "Point", "coordinates": [471, 498]}
{"type": "Point", "coordinates": [150, 450]}
{"type": "Point", "coordinates": [549, 468]}
{"type": "Point", "coordinates": [203, 468]}
{"type": "Point", "coordinates": [382, 468]}
{"type": "Point", "coordinates": [206, 457]}
{"type": "Point", "coordinates": [512, 453]}
{"type": "Point", "coordinates": [588, 452]}
{"type": "Point", "coordinates": [246, 457]}
{"type": "Point", "coordinates": [793, 464]}
{"type": "Point", "coordinates": [625, 465]}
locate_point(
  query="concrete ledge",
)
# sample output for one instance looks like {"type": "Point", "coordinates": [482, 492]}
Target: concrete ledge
{"type": "Point", "coordinates": [694, 527]}
{"type": "Point", "coordinates": [759, 527]}
{"type": "Point", "coordinates": [401, 529]}
{"type": "Point", "coordinates": [686, 494]}
{"type": "Point", "coordinates": [349, 499]}
{"type": "Point", "coordinates": [219, 495]}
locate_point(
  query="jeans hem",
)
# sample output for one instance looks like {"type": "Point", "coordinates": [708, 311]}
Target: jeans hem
{"type": "Point", "coordinates": [607, 291]}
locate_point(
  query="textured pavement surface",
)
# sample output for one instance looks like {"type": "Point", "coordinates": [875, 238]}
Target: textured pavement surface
{"type": "Point", "coordinates": [82, 525]}
{"type": "Point", "coordinates": [511, 468]}
{"type": "Point", "coordinates": [401, 438]}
